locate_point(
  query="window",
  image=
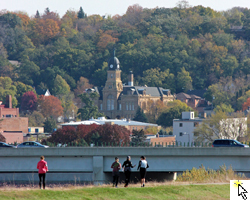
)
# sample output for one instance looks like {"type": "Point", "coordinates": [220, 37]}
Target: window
{"type": "Point", "coordinates": [111, 75]}
{"type": "Point", "coordinates": [120, 106]}
{"type": "Point", "coordinates": [181, 134]}
{"type": "Point", "coordinates": [129, 105]}
{"type": "Point", "coordinates": [36, 130]}
{"type": "Point", "coordinates": [126, 105]}
{"type": "Point", "coordinates": [110, 102]}
{"type": "Point", "coordinates": [192, 115]}
{"type": "Point", "coordinates": [101, 106]}
{"type": "Point", "coordinates": [180, 124]}
{"type": "Point", "coordinates": [133, 106]}
{"type": "Point", "coordinates": [110, 86]}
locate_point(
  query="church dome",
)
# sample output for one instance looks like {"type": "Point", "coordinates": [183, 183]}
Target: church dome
{"type": "Point", "coordinates": [113, 63]}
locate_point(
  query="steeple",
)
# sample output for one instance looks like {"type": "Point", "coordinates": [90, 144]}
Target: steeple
{"type": "Point", "coordinates": [113, 63]}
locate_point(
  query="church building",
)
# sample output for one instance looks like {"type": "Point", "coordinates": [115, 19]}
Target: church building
{"type": "Point", "coordinates": [118, 100]}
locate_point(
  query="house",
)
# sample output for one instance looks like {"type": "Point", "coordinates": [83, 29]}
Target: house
{"type": "Point", "coordinates": [129, 124]}
{"type": "Point", "coordinates": [194, 99]}
{"type": "Point", "coordinates": [12, 126]}
{"type": "Point", "coordinates": [44, 92]}
{"type": "Point", "coordinates": [183, 128]}
{"type": "Point", "coordinates": [118, 100]}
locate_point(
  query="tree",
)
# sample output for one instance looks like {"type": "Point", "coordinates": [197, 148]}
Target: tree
{"type": "Point", "coordinates": [184, 81]}
{"type": "Point", "coordinates": [61, 87]}
{"type": "Point", "coordinates": [224, 108]}
{"type": "Point", "coordinates": [37, 16]}
{"type": "Point", "coordinates": [49, 125]}
{"type": "Point", "coordinates": [81, 14]}
{"type": "Point", "coordinates": [221, 126]}
{"type": "Point", "coordinates": [29, 101]}
{"type": "Point", "coordinates": [175, 112]}
{"type": "Point", "coordinates": [64, 135]}
{"type": "Point", "coordinates": [151, 130]}
{"type": "Point", "coordinates": [35, 119]}
{"type": "Point", "coordinates": [2, 138]}
{"type": "Point", "coordinates": [140, 116]}
{"type": "Point", "coordinates": [246, 104]}
{"type": "Point", "coordinates": [50, 106]}
{"type": "Point", "coordinates": [138, 136]}
{"type": "Point", "coordinates": [89, 110]}
{"type": "Point", "coordinates": [109, 134]}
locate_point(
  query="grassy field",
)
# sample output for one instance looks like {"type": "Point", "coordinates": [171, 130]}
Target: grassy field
{"type": "Point", "coordinates": [204, 192]}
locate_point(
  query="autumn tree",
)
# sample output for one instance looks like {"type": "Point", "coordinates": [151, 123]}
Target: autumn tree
{"type": "Point", "coordinates": [50, 106]}
{"type": "Point", "coordinates": [29, 101]}
{"type": "Point", "coordinates": [246, 104]}
{"type": "Point", "coordinates": [109, 134]}
{"type": "Point", "coordinates": [63, 135]}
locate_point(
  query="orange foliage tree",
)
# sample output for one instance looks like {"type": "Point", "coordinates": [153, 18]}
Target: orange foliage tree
{"type": "Point", "coordinates": [45, 29]}
{"type": "Point", "coordinates": [50, 106]}
{"type": "Point", "coordinates": [246, 104]}
{"type": "Point", "coordinates": [104, 39]}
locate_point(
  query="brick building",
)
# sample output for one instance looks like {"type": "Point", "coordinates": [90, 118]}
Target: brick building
{"type": "Point", "coordinates": [118, 100]}
{"type": "Point", "coordinates": [12, 126]}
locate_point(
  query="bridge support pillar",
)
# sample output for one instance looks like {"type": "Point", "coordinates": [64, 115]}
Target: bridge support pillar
{"type": "Point", "coordinates": [98, 175]}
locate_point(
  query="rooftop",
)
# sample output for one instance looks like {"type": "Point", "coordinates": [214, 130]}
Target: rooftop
{"type": "Point", "coordinates": [103, 120]}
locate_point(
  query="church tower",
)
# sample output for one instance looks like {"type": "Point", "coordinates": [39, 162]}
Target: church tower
{"type": "Point", "coordinates": [113, 88]}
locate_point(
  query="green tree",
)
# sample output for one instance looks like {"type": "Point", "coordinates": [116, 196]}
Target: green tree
{"type": "Point", "coordinates": [81, 14]}
{"type": "Point", "coordinates": [166, 118]}
{"type": "Point", "coordinates": [89, 110]}
{"type": "Point", "coordinates": [138, 136]}
{"type": "Point", "coordinates": [35, 119]}
{"type": "Point", "coordinates": [140, 115]}
{"type": "Point", "coordinates": [61, 87]}
{"type": "Point", "coordinates": [184, 81]}
{"type": "Point", "coordinates": [224, 108]}
{"type": "Point", "coordinates": [49, 125]}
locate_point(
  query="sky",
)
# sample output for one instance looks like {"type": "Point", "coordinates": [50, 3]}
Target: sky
{"type": "Point", "coordinates": [109, 7]}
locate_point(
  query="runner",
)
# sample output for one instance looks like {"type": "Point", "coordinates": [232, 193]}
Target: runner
{"type": "Point", "coordinates": [127, 165]}
{"type": "Point", "coordinates": [143, 165]}
{"type": "Point", "coordinates": [42, 169]}
{"type": "Point", "coordinates": [116, 167]}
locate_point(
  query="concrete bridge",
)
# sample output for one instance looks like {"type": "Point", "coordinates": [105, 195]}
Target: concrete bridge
{"type": "Point", "coordinates": [79, 164]}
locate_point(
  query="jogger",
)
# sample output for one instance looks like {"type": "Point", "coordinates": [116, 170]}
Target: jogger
{"type": "Point", "coordinates": [127, 165]}
{"type": "Point", "coordinates": [42, 169]}
{"type": "Point", "coordinates": [116, 167]}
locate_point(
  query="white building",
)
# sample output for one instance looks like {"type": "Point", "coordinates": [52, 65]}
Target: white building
{"type": "Point", "coordinates": [183, 128]}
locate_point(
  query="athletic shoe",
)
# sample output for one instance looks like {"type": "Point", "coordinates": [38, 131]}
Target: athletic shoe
{"type": "Point", "coordinates": [143, 185]}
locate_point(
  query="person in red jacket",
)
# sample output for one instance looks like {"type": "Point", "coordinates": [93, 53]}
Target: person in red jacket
{"type": "Point", "coordinates": [42, 169]}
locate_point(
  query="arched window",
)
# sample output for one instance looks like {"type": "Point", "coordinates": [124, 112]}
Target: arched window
{"type": "Point", "coordinates": [110, 102]}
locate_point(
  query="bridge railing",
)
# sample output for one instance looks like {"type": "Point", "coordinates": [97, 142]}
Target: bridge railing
{"type": "Point", "coordinates": [134, 144]}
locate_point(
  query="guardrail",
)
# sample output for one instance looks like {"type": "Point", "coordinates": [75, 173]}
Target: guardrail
{"type": "Point", "coordinates": [132, 144]}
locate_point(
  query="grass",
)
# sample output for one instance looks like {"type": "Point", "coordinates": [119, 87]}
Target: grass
{"type": "Point", "coordinates": [192, 192]}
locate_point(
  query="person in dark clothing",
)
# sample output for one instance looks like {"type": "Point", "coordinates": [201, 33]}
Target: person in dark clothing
{"type": "Point", "coordinates": [116, 167]}
{"type": "Point", "coordinates": [143, 165]}
{"type": "Point", "coordinates": [127, 165]}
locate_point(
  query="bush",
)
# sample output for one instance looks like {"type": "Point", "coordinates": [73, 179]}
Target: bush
{"type": "Point", "coordinates": [209, 175]}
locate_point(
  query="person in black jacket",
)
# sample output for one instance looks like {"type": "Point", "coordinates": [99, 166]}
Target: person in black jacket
{"type": "Point", "coordinates": [143, 165]}
{"type": "Point", "coordinates": [127, 165]}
